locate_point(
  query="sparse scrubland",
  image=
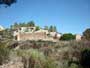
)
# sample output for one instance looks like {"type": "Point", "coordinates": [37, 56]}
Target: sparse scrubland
{"type": "Point", "coordinates": [45, 54]}
{"type": "Point", "coordinates": [65, 53]}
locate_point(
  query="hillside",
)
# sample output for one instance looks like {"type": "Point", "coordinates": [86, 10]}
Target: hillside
{"type": "Point", "coordinates": [42, 54]}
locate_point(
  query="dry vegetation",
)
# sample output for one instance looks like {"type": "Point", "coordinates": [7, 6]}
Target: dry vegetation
{"type": "Point", "coordinates": [46, 54]}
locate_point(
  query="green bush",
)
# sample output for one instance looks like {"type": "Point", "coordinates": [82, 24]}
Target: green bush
{"type": "Point", "coordinates": [74, 66]}
{"type": "Point", "coordinates": [86, 34]}
{"type": "Point", "coordinates": [67, 37]}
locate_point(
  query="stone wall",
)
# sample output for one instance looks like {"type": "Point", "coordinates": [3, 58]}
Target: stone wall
{"type": "Point", "coordinates": [78, 37]}
{"type": "Point", "coordinates": [31, 36]}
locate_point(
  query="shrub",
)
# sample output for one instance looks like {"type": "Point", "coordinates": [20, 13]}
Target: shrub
{"type": "Point", "coordinates": [85, 58]}
{"type": "Point", "coordinates": [67, 37]}
{"type": "Point", "coordinates": [74, 66]}
{"type": "Point", "coordinates": [4, 54]}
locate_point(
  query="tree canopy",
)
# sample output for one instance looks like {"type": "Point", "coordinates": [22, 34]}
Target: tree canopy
{"type": "Point", "coordinates": [85, 58]}
{"type": "Point", "coordinates": [24, 24]}
{"type": "Point", "coordinates": [52, 28]}
{"type": "Point", "coordinates": [86, 34]}
{"type": "Point", "coordinates": [37, 28]}
{"type": "Point", "coordinates": [31, 24]}
{"type": "Point", "coordinates": [7, 2]}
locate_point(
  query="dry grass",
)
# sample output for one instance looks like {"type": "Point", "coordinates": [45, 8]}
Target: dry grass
{"type": "Point", "coordinates": [46, 54]}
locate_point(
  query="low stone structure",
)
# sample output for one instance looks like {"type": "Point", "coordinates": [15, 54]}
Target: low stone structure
{"type": "Point", "coordinates": [29, 33]}
{"type": "Point", "coordinates": [78, 37]}
{"type": "Point", "coordinates": [31, 36]}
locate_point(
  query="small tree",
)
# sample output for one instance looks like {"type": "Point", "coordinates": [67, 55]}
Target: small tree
{"type": "Point", "coordinates": [55, 29]}
{"type": "Point", "coordinates": [46, 27]}
{"type": "Point", "coordinates": [52, 28]}
{"type": "Point", "coordinates": [16, 25]}
{"type": "Point", "coordinates": [31, 24]}
{"type": "Point", "coordinates": [22, 24]}
{"type": "Point", "coordinates": [86, 34]}
{"type": "Point", "coordinates": [37, 28]}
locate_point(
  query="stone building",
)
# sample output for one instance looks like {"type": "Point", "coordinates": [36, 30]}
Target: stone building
{"type": "Point", "coordinates": [31, 36]}
{"type": "Point", "coordinates": [29, 33]}
{"type": "Point", "coordinates": [78, 37]}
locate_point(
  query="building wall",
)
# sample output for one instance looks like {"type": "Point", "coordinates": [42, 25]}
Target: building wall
{"type": "Point", "coordinates": [21, 34]}
{"type": "Point", "coordinates": [31, 36]}
{"type": "Point", "coordinates": [78, 37]}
